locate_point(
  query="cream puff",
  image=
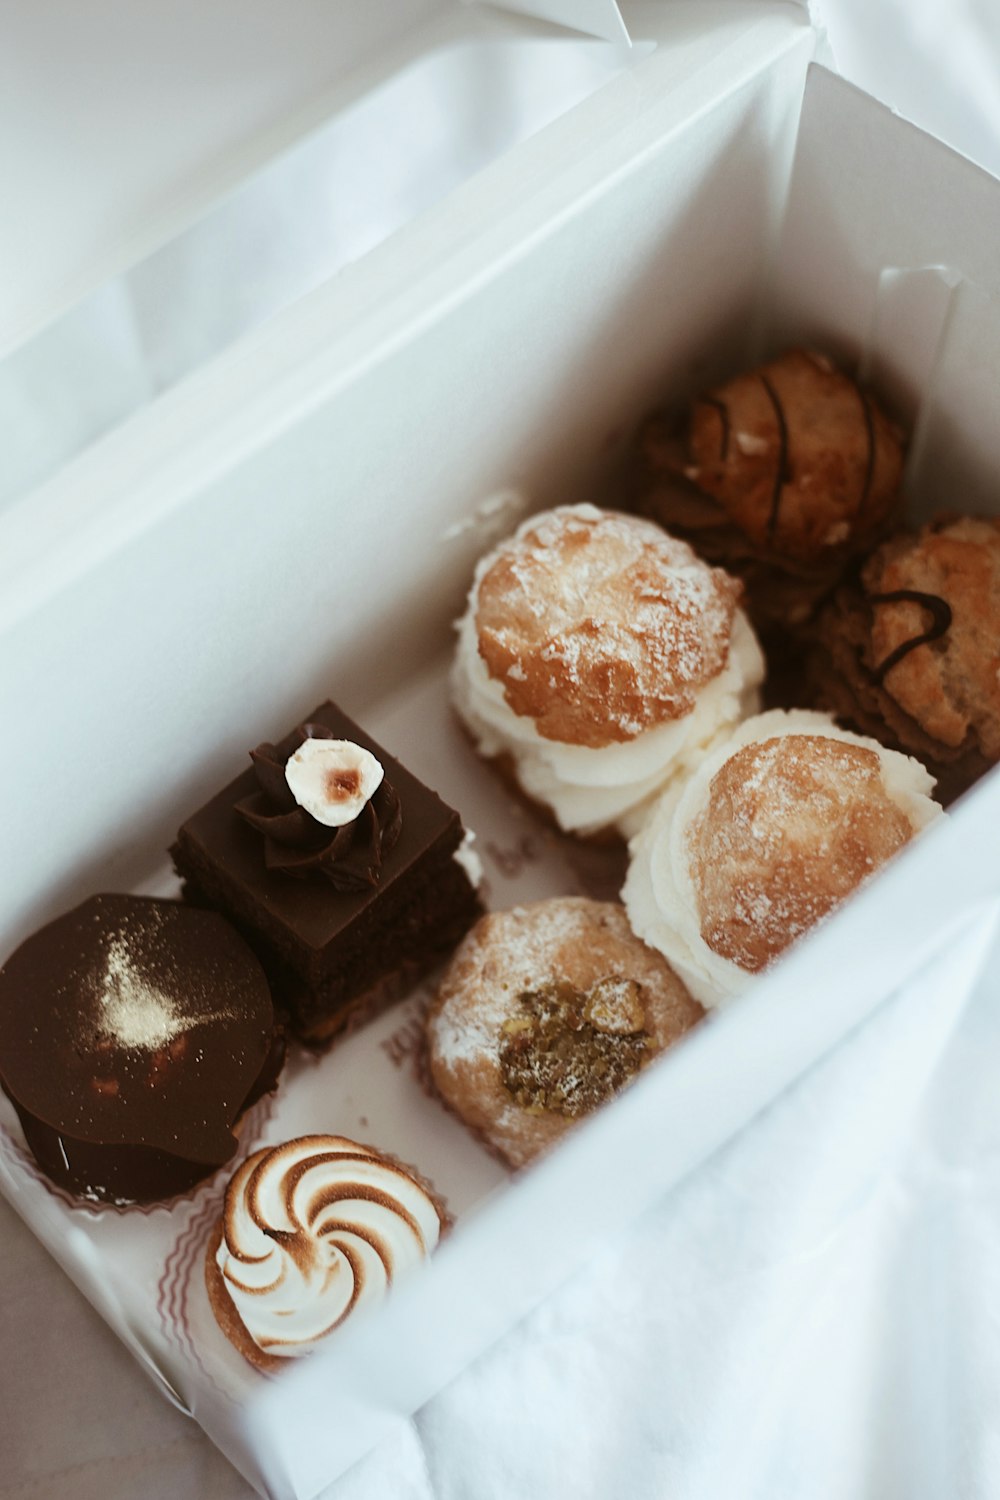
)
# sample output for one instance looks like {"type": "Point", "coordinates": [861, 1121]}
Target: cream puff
{"type": "Point", "coordinates": [908, 650]}
{"type": "Point", "coordinates": [778, 825]}
{"type": "Point", "coordinates": [781, 475]}
{"type": "Point", "coordinates": [597, 656]}
{"type": "Point", "coordinates": [545, 1012]}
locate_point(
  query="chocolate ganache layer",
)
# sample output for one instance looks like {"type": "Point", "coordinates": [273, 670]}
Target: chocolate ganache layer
{"type": "Point", "coordinates": [349, 855]}
{"type": "Point", "coordinates": [332, 952]}
{"type": "Point", "coordinates": [133, 1034]}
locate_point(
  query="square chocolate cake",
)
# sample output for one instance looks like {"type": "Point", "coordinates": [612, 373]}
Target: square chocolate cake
{"type": "Point", "coordinates": [340, 868]}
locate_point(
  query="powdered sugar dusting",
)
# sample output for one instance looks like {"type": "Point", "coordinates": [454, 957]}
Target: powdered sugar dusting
{"type": "Point", "coordinates": [526, 1012]}
{"type": "Point", "coordinates": [530, 942]}
{"type": "Point", "coordinates": [793, 825]}
{"type": "Point", "coordinates": [600, 625]}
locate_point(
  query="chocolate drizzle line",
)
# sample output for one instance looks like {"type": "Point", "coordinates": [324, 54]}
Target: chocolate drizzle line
{"type": "Point", "coordinates": [940, 612]}
{"type": "Point", "coordinates": [781, 474]}
{"type": "Point", "coordinates": [723, 410]}
{"type": "Point", "coordinates": [870, 461]}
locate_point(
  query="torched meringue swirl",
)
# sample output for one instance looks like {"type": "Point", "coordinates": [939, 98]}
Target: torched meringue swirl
{"type": "Point", "coordinates": [314, 1229]}
{"type": "Point", "coordinates": [295, 844]}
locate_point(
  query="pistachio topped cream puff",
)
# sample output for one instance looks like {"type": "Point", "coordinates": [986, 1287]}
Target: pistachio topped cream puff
{"type": "Point", "coordinates": [545, 1013]}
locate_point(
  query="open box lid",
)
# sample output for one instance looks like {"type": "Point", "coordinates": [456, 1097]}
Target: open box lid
{"type": "Point", "coordinates": [141, 247]}
{"type": "Point", "coordinates": [119, 127]}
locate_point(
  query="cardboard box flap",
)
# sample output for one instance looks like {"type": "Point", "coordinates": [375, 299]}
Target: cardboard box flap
{"type": "Point", "coordinates": [385, 155]}
{"type": "Point", "coordinates": [118, 127]}
{"type": "Point", "coordinates": [410, 176]}
{"type": "Point", "coordinates": [889, 196]}
{"type": "Point", "coordinates": [904, 213]}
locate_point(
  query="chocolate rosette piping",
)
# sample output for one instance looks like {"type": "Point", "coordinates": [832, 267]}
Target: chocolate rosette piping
{"type": "Point", "coordinates": [296, 844]}
{"type": "Point", "coordinates": [312, 1230]}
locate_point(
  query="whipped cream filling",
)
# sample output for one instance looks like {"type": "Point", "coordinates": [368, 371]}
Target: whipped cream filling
{"type": "Point", "coordinates": [659, 892]}
{"type": "Point", "coordinates": [466, 856]}
{"type": "Point", "coordinates": [314, 1229]}
{"type": "Point", "coordinates": [591, 789]}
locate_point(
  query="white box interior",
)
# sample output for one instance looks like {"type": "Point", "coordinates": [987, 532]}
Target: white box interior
{"type": "Point", "coordinates": [300, 519]}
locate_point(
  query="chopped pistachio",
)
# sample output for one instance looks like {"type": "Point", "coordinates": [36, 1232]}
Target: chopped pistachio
{"type": "Point", "coordinates": [565, 1052]}
{"type": "Point", "coordinates": [615, 1005]}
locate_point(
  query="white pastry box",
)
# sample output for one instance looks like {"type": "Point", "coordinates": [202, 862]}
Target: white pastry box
{"type": "Point", "coordinates": [288, 506]}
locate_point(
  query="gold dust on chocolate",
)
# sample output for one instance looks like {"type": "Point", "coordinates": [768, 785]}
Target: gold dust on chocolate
{"type": "Point", "coordinates": [132, 1030]}
{"type": "Point", "coordinates": [567, 1052]}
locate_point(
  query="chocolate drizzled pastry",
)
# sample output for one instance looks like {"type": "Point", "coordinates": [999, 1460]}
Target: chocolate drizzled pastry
{"type": "Point", "coordinates": [133, 1035]}
{"type": "Point", "coordinates": [332, 953]}
{"type": "Point", "coordinates": [350, 855]}
{"type": "Point", "coordinates": [782, 475]}
{"type": "Point", "coordinates": [908, 649]}
{"type": "Point", "coordinates": [940, 612]}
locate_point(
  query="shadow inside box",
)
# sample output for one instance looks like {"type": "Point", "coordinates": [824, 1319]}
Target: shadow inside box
{"type": "Point", "coordinates": [650, 345]}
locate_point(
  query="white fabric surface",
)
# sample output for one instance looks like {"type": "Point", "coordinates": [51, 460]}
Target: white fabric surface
{"type": "Point", "coordinates": [814, 1313]}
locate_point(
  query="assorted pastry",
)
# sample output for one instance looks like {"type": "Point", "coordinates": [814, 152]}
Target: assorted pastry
{"type": "Point", "coordinates": [545, 1012]}
{"type": "Point", "coordinates": [908, 649]}
{"type": "Point", "coordinates": [345, 874]}
{"type": "Point", "coordinates": [311, 1231]}
{"type": "Point", "coordinates": [776, 827]}
{"type": "Point", "coordinates": [780, 475]}
{"type": "Point", "coordinates": [596, 657]}
{"type": "Point", "coordinates": [607, 667]}
{"type": "Point", "coordinates": [134, 1033]}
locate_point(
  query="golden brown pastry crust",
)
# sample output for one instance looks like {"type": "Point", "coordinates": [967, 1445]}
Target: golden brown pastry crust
{"type": "Point", "coordinates": [600, 628]}
{"type": "Point", "coordinates": [784, 474]}
{"type": "Point", "coordinates": [909, 651]}
{"type": "Point", "coordinates": [568, 940]}
{"type": "Point", "coordinates": [793, 825]}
